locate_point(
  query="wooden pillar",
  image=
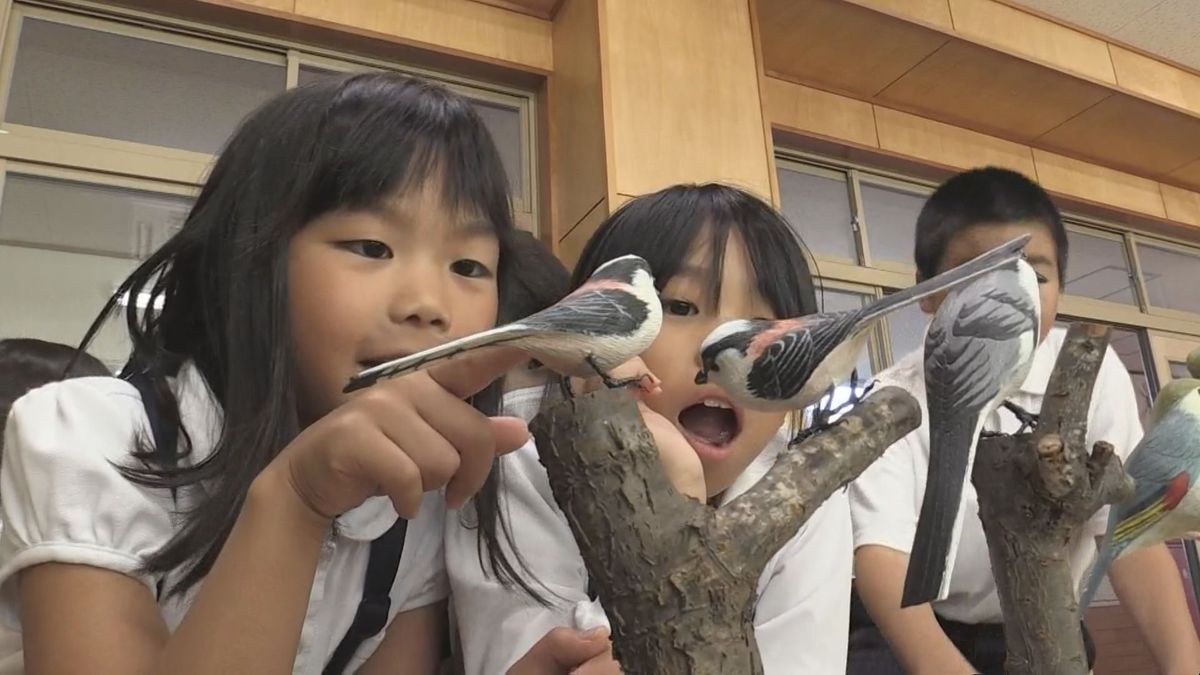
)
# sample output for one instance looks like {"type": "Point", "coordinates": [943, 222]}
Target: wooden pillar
{"type": "Point", "coordinates": [647, 94]}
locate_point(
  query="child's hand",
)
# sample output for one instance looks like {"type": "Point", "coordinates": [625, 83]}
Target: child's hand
{"type": "Point", "coordinates": [562, 651]}
{"type": "Point", "coordinates": [633, 368]}
{"type": "Point", "coordinates": [603, 664]}
{"type": "Point", "coordinates": [402, 438]}
{"type": "Point", "coordinates": [679, 459]}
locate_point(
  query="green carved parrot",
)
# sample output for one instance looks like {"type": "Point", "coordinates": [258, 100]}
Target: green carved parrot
{"type": "Point", "coordinates": [1164, 466]}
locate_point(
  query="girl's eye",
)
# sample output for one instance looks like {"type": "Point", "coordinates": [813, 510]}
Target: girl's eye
{"type": "Point", "coordinates": [1042, 279]}
{"type": "Point", "coordinates": [369, 248]}
{"type": "Point", "coordinates": [470, 268]}
{"type": "Point", "coordinates": [679, 307]}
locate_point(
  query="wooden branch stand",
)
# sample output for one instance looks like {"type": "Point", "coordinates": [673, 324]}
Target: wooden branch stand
{"type": "Point", "coordinates": [676, 577]}
{"type": "Point", "coordinates": [1036, 491]}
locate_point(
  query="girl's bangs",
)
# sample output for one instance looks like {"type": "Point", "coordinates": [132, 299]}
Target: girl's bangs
{"type": "Point", "coordinates": [665, 228]}
{"type": "Point", "coordinates": [383, 138]}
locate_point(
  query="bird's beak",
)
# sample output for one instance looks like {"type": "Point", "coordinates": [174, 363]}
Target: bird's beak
{"type": "Point", "coordinates": [702, 377]}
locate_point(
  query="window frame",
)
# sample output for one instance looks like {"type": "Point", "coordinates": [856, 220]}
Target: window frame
{"type": "Point", "coordinates": [891, 277]}
{"type": "Point", "coordinates": [158, 163]}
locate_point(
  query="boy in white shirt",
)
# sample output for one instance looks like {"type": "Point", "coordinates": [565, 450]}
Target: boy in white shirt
{"type": "Point", "coordinates": [963, 633]}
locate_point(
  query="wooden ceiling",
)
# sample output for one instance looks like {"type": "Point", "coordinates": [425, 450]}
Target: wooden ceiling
{"type": "Point", "coordinates": [1065, 92]}
{"type": "Point", "coordinates": [543, 9]}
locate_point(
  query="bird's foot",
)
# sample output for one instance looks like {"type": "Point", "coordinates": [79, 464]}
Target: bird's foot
{"type": "Point", "coordinates": [821, 415]}
{"type": "Point", "coordinates": [568, 391]}
{"type": "Point", "coordinates": [1028, 420]}
{"type": "Point", "coordinates": [646, 382]}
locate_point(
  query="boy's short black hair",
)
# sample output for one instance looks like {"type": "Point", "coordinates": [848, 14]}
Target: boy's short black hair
{"type": "Point", "coordinates": [984, 196]}
{"type": "Point", "coordinates": [26, 364]}
{"type": "Point", "coordinates": [533, 278]}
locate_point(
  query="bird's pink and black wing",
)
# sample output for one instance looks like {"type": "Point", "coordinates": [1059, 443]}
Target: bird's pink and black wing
{"type": "Point", "coordinates": [789, 360]}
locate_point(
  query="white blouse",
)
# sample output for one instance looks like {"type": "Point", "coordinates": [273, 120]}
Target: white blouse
{"type": "Point", "coordinates": [63, 500]}
{"type": "Point", "coordinates": [801, 619]}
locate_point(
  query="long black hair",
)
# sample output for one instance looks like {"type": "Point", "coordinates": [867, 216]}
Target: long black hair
{"type": "Point", "coordinates": [664, 228]}
{"type": "Point", "coordinates": [342, 143]}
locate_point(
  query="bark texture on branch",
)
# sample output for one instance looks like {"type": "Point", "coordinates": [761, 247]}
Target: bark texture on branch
{"type": "Point", "coordinates": [676, 577]}
{"type": "Point", "coordinates": [1036, 491]}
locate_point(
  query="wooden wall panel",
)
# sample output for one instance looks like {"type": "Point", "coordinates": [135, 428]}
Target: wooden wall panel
{"type": "Point", "coordinates": [800, 108]}
{"type": "Point", "coordinates": [572, 244]}
{"type": "Point", "coordinates": [1155, 79]}
{"type": "Point", "coordinates": [276, 5]}
{"type": "Point", "coordinates": [935, 13]}
{"type": "Point", "coordinates": [578, 157]}
{"type": "Point", "coordinates": [836, 45]}
{"type": "Point", "coordinates": [682, 87]}
{"type": "Point", "coordinates": [543, 9]}
{"type": "Point", "coordinates": [947, 145]}
{"type": "Point", "coordinates": [1096, 183]}
{"type": "Point", "coordinates": [1188, 176]}
{"type": "Point", "coordinates": [1129, 133]}
{"type": "Point", "coordinates": [457, 25]}
{"type": "Point", "coordinates": [1181, 205]}
{"type": "Point", "coordinates": [1033, 37]}
{"type": "Point", "coordinates": [982, 88]}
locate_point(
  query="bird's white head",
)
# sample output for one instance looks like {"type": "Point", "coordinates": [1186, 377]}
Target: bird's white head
{"type": "Point", "coordinates": [724, 354]}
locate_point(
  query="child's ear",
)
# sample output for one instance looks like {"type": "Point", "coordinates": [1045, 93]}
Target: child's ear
{"type": "Point", "coordinates": [929, 303]}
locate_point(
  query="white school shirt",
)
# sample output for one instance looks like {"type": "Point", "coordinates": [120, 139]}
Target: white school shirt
{"type": "Point", "coordinates": [63, 501]}
{"type": "Point", "coordinates": [886, 499]}
{"type": "Point", "coordinates": [801, 618]}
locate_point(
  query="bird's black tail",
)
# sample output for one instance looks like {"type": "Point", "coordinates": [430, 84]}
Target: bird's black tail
{"type": "Point", "coordinates": [998, 257]}
{"type": "Point", "coordinates": [950, 450]}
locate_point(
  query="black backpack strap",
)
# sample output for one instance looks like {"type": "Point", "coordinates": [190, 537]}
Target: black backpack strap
{"type": "Point", "coordinates": [372, 614]}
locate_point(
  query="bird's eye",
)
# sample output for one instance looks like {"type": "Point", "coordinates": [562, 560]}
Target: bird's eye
{"type": "Point", "coordinates": [679, 307]}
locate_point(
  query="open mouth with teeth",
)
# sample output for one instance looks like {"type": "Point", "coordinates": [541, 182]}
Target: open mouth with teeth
{"type": "Point", "coordinates": [712, 422]}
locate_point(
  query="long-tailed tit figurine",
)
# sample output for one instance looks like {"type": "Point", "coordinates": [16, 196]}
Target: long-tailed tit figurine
{"type": "Point", "coordinates": [978, 351]}
{"type": "Point", "coordinates": [611, 318]}
{"type": "Point", "coordinates": [791, 363]}
{"type": "Point", "coordinates": [1164, 466]}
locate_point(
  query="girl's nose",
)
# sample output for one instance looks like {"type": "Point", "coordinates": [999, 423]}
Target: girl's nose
{"type": "Point", "coordinates": [420, 300]}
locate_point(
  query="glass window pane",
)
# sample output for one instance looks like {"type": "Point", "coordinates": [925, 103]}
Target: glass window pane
{"type": "Point", "coordinates": [906, 329]}
{"type": "Point", "coordinates": [310, 74]}
{"type": "Point", "coordinates": [890, 215]}
{"type": "Point", "coordinates": [503, 122]}
{"type": "Point", "coordinates": [1128, 346]}
{"type": "Point", "coordinates": [1098, 269]}
{"type": "Point", "coordinates": [819, 208]}
{"type": "Point", "coordinates": [54, 295]}
{"type": "Point", "coordinates": [102, 84]}
{"type": "Point", "coordinates": [1170, 278]}
{"type": "Point", "coordinates": [66, 215]}
{"type": "Point", "coordinates": [832, 300]}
